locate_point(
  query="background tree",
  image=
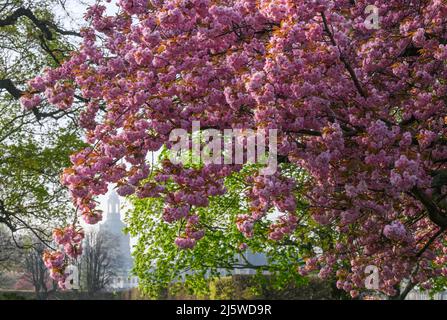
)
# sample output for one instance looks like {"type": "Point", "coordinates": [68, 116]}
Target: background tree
{"type": "Point", "coordinates": [8, 250]}
{"type": "Point", "coordinates": [98, 264]}
{"type": "Point", "coordinates": [9, 257]}
{"type": "Point", "coordinates": [34, 145]}
{"type": "Point", "coordinates": [36, 273]}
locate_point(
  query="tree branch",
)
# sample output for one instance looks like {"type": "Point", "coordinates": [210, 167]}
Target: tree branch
{"type": "Point", "coordinates": [43, 25]}
{"type": "Point", "coordinates": [9, 86]}
{"type": "Point", "coordinates": [24, 12]}
{"type": "Point", "coordinates": [435, 215]}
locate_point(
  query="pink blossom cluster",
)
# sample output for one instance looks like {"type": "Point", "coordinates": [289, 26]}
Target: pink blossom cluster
{"type": "Point", "coordinates": [177, 213]}
{"type": "Point", "coordinates": [245, 225]}
{"type": "Point", "coordinates": [395, 231]}
{"type": "Point", "coordinates": [55, 262]}
{"type": "Point", "coordinates": [270, 192]}
{"type": "Point", "coordinates": [30, 102]}
{"type": "Point", "coordinates": [191, 234]}
{"type": "Point", "coordinates": [71, 239]}
{"type": "Point", "coordinates": [406, 174]}
{"type": "Point", "coordinates": [285, 226]}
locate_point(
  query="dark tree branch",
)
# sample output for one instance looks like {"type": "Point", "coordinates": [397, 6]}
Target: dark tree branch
{"type": "Point", "coordinates": [429, 242]}
{"type": "Point", "coordinates": [43, 25]}
{"type": "Point", "coordinates": [9, 86]}
{"type": "Point", "coordinates": [24, 12]}
{"type": "Point", "coordinates": [63, 31]}
{"type": "Point", "coordinates": [434, 213]}
{"type": "Point", "coordinates": [46, 48]}
{"type": "Point", "coordinates": [406, 291]}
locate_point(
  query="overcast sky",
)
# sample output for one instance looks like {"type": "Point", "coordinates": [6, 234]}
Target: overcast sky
{"type": "Point", "coordinates": [74, 11]}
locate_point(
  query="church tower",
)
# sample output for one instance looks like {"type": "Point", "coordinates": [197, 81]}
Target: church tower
{"type": "Point", "coordinates": [113, 206]}
{"type": "Point", "coordinates": [114, 226]}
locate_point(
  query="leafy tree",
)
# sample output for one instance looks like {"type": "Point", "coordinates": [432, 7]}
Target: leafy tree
{"type": "Point", "coordinates": [34, 145]}
{"type": "Point", "coordinates": [98, 264]}
{"type": "Point", "coordinates": [9, 256]}
{"type": "Point", "coordinates": [7, 250]}
{"type": "Point", "coordinates": [36, 273]}
{"type": "Point", "coordinates": [159, 262]}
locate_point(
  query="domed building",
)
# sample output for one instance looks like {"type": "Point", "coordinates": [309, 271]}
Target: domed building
{"type": "Point", "coordinates": [114, 227]}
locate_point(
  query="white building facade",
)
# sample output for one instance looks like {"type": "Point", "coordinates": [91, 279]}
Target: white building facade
{"type": "Point", "coordinates": [114, 226]}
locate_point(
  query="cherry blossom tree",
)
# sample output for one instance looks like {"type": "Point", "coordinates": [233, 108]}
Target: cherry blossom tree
{"type": "Point", "coordinates": [362, 110]}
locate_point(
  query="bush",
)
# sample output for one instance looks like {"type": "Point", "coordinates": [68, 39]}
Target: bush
{"type": "Point", "coordinates": [11, 296]}
{"type": "Point", "coordinates": [249, 287]}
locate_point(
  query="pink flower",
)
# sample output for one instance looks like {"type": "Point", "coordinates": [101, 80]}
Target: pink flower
{"type": "Point", "coordinates": [38, 84]}
{"type": "Point", "coordinates": [395, 231]}
{"type": "Point", "coordinates": [245, 225]}
{"type": "Point", "coordinates": [57, 275]}
{"type": "Point", "coordinates": [134, 6]}
{"type": "Point", "coordinates": [125, 190]}
{"type": "Point", "coordinates": [419, 37]}
{"type": "Point", "coordinates": [92, 217]}
{"type": "Point", "coordinates": [256, 81]}
{"type": "Point", "coordinates": [175, 213]}
{"type": "Point", "coordinates": [53, 260]}
{"type": "Point", "coordinates": [30, 102]}
{"type": "Point", "coordinates": [73, 250]}
{"type": "Point", "coordinates": [185, 243]}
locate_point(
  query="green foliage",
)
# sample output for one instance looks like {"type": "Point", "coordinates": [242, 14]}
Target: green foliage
{"type": "Point", "coordinates": [159, 262]}
{"type": "Point", "coordinates": [33, 148]}
{"type": "Point", "coordinates": [22, 51]}
{"type": "Point", "coordinates": [230, 288]}
{"type": "Point", "coordinates": [249, 288]}
{"type": "Point", "coordinates": [11, 296]}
